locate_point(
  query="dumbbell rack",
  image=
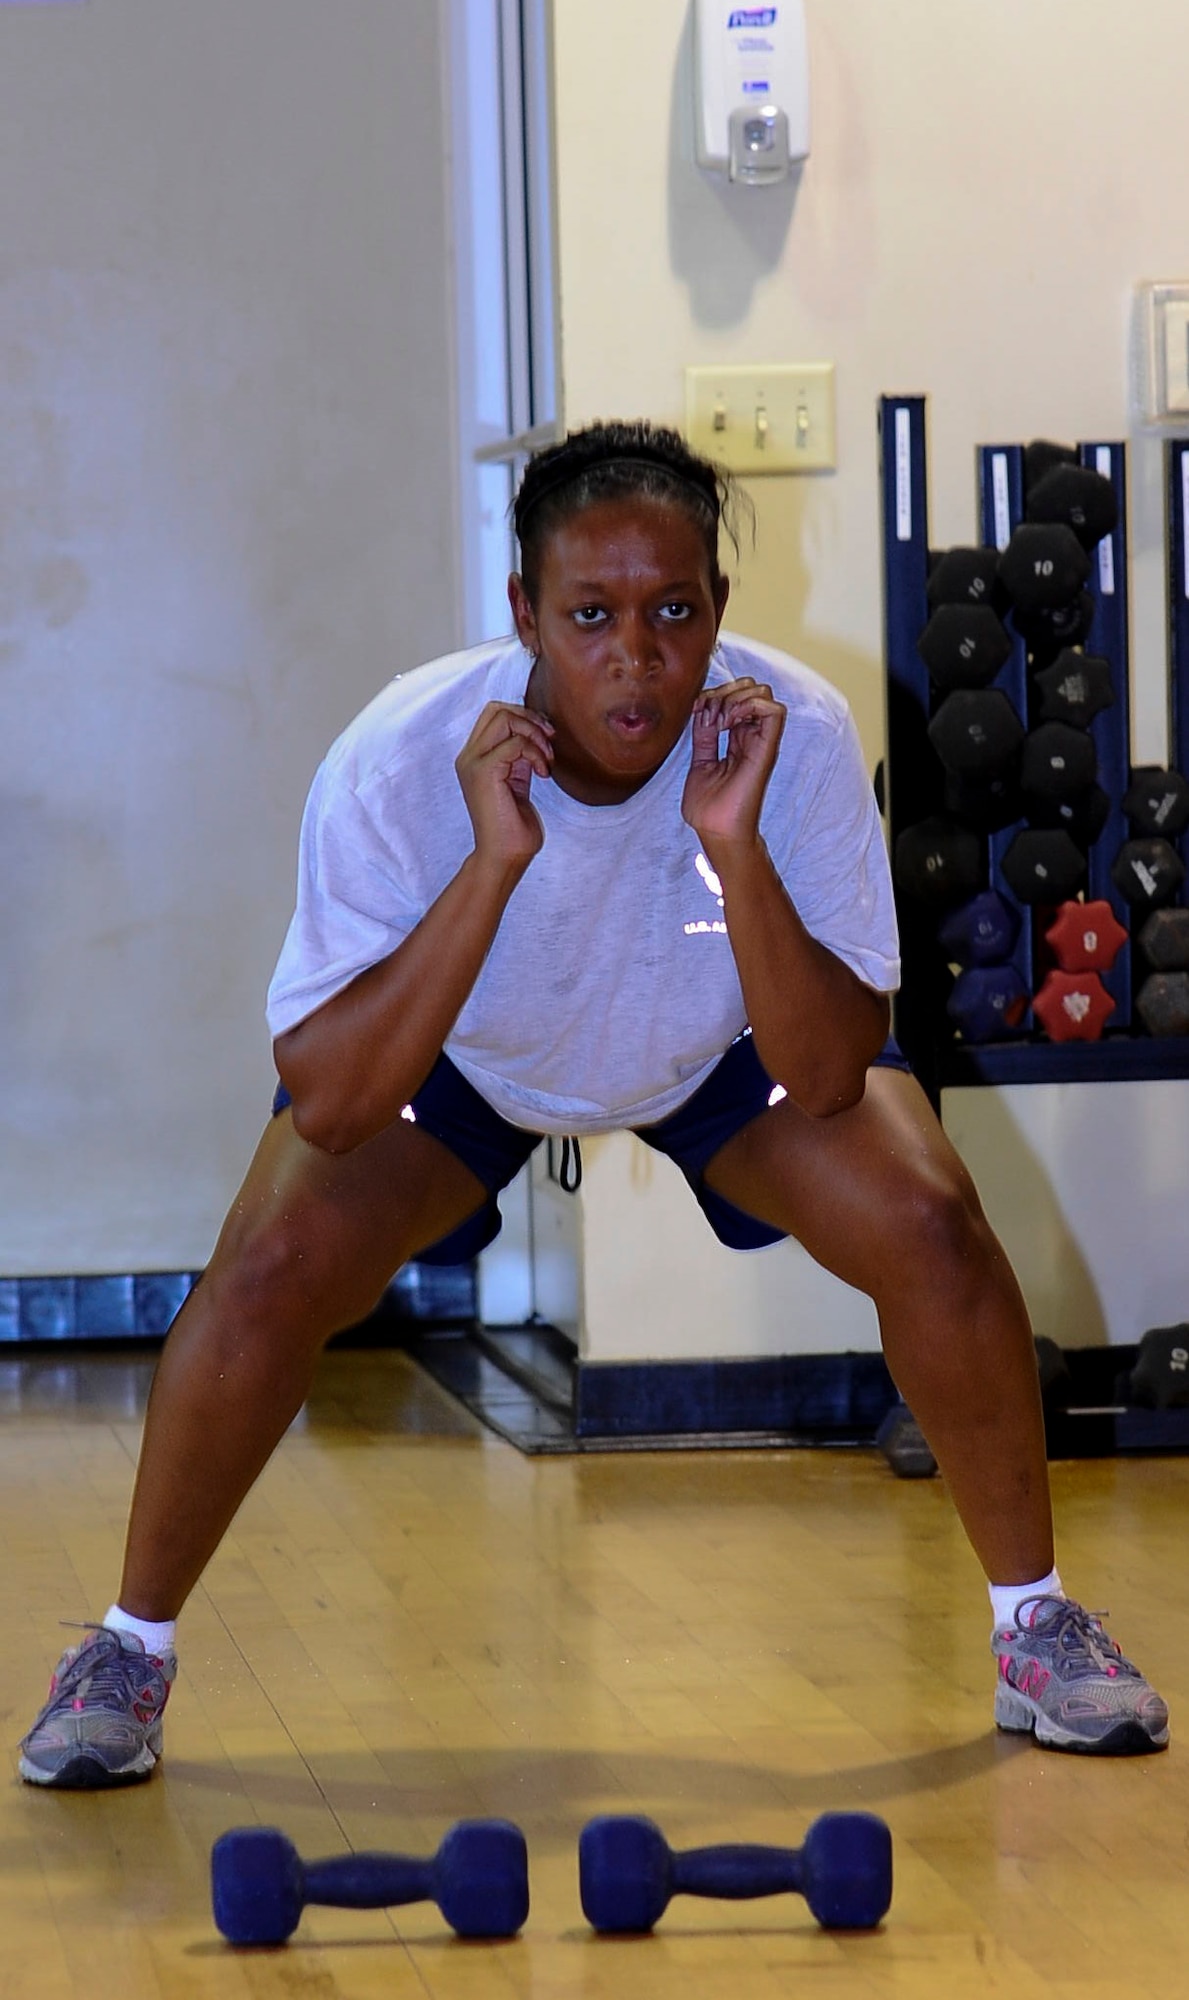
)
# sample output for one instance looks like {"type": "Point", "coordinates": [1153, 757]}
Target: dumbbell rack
{"type": "Point", "coordinates": [913, 778]}
{"type": "Point", "coordinates": [1177, 488]}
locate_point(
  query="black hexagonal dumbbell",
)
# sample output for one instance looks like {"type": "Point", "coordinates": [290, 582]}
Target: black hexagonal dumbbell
{"type": "Point", "coordinates": [1076, 688]}
{"type": "Point", "coordinates": [964, 645]}
{"type": "Point", "coordinates": [1147, 873]}
{"type": "Point", "coordinates": [1162, 1003]}
{"type": "Point", "coordinates": [904, 1445]}
{"type": "Point", "coordinates": [1046, 631]}
{"type": "Point", "coordinates": [1043, 568]}
{"type": "Point", "coordinates": [1077, 496]}
{"type": "Point", "coordinates": [1043, 866]}
{"type": "Point", "coordinates": [1057, 761]}
{"type": "Point", "coordinates": [1041, 455]}
{"type": "Point", "coordinates": [1056, 1382]}
{"type": "Point", "coordinates": [986, 803]}
{"type": "Point", "coordinates": [1164, 940]}
{"type": "Point", "coordinates": [965, 576]}
{"type": "Point", "coordinates": [938, 862]}
{"type": "Point", "coordinates": [1082, 818]}
{"type": "Point", "coordinates": [1157, 801]}
{"type": "Point", "coordinates": [976, 733]}
{"type": "Point", "coordinates": [1160, 1377]}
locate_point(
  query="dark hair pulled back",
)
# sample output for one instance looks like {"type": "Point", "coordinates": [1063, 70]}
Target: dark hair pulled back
{"type": "Point", "coordinates": [616, 461]}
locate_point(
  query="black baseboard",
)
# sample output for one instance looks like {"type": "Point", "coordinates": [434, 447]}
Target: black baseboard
{"type": "Point", "coordinates": [830, 1398]}
{"type": "Point", "coordinates": [530, 1387]}
{"type": "Point", "coordinates": [132, 1306]}
{"type": "Point", "coordinates": [141, 1305]}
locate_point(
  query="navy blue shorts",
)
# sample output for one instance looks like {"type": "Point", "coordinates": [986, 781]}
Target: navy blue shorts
{"type": "Point", "coordinates": [737, 1090]}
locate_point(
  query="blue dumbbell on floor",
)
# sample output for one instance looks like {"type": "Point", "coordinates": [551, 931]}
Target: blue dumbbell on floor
{"type": "Point", "coordinates": [628, 1873]}
{"type": "Point", "coordinates": [478, 1878]}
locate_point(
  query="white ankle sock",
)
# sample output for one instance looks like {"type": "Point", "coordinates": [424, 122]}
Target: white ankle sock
{"type": "Point", "coordinates": [156, 1639]}
{"type": "Point", "coordinates": [1005, 1597]}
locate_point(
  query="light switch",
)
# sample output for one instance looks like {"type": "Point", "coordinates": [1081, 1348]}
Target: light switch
{"type": "Point", "coordinates": [1162, 353]}
{"type": "Point", "coordinates": [755, 419]}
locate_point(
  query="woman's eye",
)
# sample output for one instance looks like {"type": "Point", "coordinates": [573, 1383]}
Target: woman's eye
{"type": "Point", "coordinates": [673, 614]}
{"type": "Point", "coordinates": [588, 615]}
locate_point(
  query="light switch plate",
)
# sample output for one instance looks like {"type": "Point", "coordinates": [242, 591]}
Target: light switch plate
{"type": "Point", "coordinates": [757, 420]}
{"type": "Point", "coordinates": [1162, 353]}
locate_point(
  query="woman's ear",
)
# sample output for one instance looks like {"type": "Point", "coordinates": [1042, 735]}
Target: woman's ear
{"type": "Point", "coordinates": [523, 616]}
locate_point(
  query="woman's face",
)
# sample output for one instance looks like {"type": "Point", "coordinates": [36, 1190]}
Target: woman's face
{"type": "Point", "coordinates": [623, 627]}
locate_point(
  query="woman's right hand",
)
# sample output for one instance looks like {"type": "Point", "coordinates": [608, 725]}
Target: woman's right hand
{"type": "Point", "coordinates": [495, 767]}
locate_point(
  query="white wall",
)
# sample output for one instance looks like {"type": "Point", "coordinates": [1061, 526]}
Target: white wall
{"type": "Point", "coordinates": [1085, 1186]}
{"type": "Point", "coordinates": [659, 1286]}
{"type": "Point", "coordinates": [226, 517]}
{"type": "Point", "coordinates": [985, 188]}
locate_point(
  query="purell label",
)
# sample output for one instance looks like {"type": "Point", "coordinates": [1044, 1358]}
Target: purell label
{"type": "Point", "coordinates": [752, 17]}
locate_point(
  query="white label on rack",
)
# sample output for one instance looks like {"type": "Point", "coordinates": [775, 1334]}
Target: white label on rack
{"type": "Point", "coordinates": [903, 475]}
{"type": "Point", "coordinates": [1103, 463]}
{"type": "Point", "coordinates": [999, 501]}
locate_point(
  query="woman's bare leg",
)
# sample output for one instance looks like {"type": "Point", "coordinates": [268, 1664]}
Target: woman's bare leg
{"type": "Point", "coordinates": [879, 1196]}
{"type": "Point", "coordinates": [307, 1249]}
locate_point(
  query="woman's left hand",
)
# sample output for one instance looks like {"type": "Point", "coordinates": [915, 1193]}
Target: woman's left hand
{"type": "Point", "coordinates": [723, 795]}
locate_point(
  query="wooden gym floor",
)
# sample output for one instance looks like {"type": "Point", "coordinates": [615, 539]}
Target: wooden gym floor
{"type": "Point", "coordinates": [411, 1623]}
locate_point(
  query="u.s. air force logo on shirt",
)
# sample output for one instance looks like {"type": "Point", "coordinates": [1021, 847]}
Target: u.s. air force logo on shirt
{"type": "Point", "coordinates": [706, 926]}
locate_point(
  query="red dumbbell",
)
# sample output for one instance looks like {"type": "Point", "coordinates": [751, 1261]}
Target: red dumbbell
{"type": "Point", "coordinates": [1073, 1007]}
{"type": "Point", "coordinates": [1085, 937]}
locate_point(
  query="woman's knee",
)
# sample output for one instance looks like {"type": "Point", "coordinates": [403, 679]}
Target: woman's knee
{"type": "Point", "coordinates": [286, 1273]}
{"type": "Point", "coordinates": [935, 1230]}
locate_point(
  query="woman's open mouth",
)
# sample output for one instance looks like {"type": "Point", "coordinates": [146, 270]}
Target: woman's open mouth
{"type": "Point", "coordinates": [633, 721]}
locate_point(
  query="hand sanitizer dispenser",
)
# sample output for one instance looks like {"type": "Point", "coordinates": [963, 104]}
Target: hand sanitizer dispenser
{"type": "Point", "coordinates": [753, 89]}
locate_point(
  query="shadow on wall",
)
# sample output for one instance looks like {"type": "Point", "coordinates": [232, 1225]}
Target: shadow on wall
{"type": "Point", "coordinates": [797, 543]}
{"type": "Point", "coordinates": [724, 240]}
{"type": "Point", "coordinates": [1024, 1208]}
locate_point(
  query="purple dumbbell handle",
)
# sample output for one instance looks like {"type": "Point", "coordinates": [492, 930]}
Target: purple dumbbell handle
{"type": "Point", "coordinates": [737, 1872]}
{"type": "Point", "coordinates": [368, 1881]}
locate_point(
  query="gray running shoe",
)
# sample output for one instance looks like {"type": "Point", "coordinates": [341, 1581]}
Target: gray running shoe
{"type": "Point", "coordinates": [1062, 1677]}
{"type": "Point", "coordinates": [102, 1722]}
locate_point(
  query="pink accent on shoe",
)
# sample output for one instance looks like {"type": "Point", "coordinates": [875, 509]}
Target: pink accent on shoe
{"type": "Point", "coordinates": [1030, 1678]}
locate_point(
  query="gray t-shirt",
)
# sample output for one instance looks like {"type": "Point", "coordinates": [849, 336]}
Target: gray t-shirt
{"type": "Point", "coordinates": [610, 989]}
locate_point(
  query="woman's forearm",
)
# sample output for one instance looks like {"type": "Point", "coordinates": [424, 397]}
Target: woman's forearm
{"type": "Point", "coordinates": [352, 1065]}
{"type": "Point", "coordinates": [816, 1026]}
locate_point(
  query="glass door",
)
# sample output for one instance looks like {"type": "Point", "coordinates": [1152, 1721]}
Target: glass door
{"type": "Point", "coordinates": [499, 104]}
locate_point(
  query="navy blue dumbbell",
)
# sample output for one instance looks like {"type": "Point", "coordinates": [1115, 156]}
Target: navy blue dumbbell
{"type": "Point", "coordinates": [983, 932]}
{"type": "Point", "coordinates": [478, 1878]}
{"type": "Point", "coordinates": [987, 1001]}
{"type": "Point", "coordinates": [628, 1873]}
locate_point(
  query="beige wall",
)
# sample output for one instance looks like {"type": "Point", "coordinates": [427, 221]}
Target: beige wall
{"type": "Point", "coordinates": [986, 186]}
{"type": "Point", "coordinates": [227, 474]}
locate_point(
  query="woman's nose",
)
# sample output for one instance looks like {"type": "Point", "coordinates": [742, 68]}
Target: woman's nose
{"type": "Point", "coordinates": [634, 652]}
